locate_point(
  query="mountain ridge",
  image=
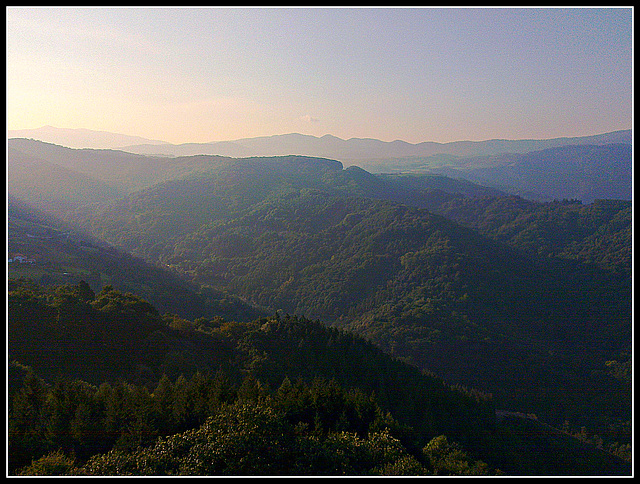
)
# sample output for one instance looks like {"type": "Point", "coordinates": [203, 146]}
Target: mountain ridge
{"type": "Point", "coordinates": [364, 148]}
{"type": "Point", "coordinates": [580, 171]}
{"type": "Point", "coordinates": [585, 172]}
{"type": "Point", "coordinates": [81, 137]}
{"type": "Point", "coordinates": [326, 146]}
{"type": "Point", "coordinates": [129, 172]}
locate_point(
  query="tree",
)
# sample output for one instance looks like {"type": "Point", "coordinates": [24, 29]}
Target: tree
{"type": "Point", "coordinates": [449, 459]}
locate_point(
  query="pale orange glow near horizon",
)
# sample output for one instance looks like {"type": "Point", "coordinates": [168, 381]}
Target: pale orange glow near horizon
{"type": "Point", "coordinates": [215, 74]}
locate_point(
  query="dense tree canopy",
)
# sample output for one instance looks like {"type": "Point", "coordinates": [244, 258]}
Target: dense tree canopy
{"type": "Point", "coordinates": [527, 301]}
{"type": "Point", "coordinates": [210, 396]}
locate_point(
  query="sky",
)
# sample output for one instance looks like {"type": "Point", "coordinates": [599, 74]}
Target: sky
{"type": "Point", "coordinates": [414, 74]}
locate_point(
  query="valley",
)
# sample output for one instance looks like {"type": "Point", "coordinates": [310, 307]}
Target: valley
{"type": "Point", "coordinates": [464, 290]}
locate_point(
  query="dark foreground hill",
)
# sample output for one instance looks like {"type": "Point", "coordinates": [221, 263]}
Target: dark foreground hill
{"type": "Point", "coordinates": [128, 391]}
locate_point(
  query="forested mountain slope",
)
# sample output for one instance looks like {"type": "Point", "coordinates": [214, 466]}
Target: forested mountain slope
{"type": "Point", "coordinates": [53, 187]}
{"type": "Point", "coordinates": [64, 254]}
{"type": "Point", "coordinates": [112, 336]}
{"type": "Point", "coordinates": [497, 314]}
{"type": "Point", "coordinates": [528, 301]}
{"type": "Point", "coordinates": [598, 233]}
{"type": "Point", "coordinates": [585, 172]}
{"type": "Point", "coordinates": [573, 171]}
{"type": "Point", "coordinates": [45, 180]}
{"type": "Point", "coordinates": [128, 391]}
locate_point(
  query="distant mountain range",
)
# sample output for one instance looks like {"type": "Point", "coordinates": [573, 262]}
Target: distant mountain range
{"type": "Point", "coordinates": [81, 138]}
{"type": "Point", "coordinates": [350, 151]}
{"type": "Point", "coordinates": [587, 168]}
{"type": "Point", "coordinates": [584, 172]}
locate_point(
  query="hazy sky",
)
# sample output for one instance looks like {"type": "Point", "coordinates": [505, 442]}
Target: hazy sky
{"type": "Point", "coordinates": [416, 74]}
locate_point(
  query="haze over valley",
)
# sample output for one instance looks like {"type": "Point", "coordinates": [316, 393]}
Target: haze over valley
{"type": "Point", "coordinates": [319, 242]}
{"type": "Point", "coordinates": [452, 276]}
{"type": "Point", "coordinates": [584, 168]}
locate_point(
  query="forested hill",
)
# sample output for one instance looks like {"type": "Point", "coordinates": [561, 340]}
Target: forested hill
{"type": "Point", "coordinates": [64, 254]}
{"type": "Point", "coordinates": [599, 233]}
{"type": "Point", "coordinates": [586, 173]}
{"type": "Point", "coordinates": [128, 172]}
{"type": "Point", "coordinates": [59, 179]}
{"type": "Point", "coordinates": [534, 326]}
{"type": "Point", "coordinates": [573, 171]}
{"type": "Point", "coordinates": [528, 301]}
{"type": "Point", "coordinates": [49, 185]}
{"type": "Point", "coordinates": [112, 336]}
{"type": "Point", "coordinates": [102, 384]}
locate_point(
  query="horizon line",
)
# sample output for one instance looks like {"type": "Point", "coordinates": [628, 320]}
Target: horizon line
{"type": "Point", "coordinates": [355, 138]}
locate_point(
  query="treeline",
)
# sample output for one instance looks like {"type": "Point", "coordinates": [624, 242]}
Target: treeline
{"type": "Point", "coordinates": [279, 395]}
{"type": "Point", "coordinates": [111, 355]}
{"type": "Point", "coordinates": [208, 426]}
